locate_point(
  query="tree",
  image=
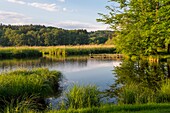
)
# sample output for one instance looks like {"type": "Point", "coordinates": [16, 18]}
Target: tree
{"type": "Point", "coordinates": [141, 25]}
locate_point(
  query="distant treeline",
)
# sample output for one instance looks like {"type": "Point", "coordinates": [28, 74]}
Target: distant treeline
{"type": "Point", "coordinates": [38, 35]}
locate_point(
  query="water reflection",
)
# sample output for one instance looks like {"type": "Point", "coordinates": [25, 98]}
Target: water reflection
{"type": "Point", "coordinates": [79, 69]}
{"type": "Point", "coordinates": [141, 73]}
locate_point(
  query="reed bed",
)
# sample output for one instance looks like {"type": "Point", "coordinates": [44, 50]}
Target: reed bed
{"type": "Point", "coordinates": [26, 52]}
{"type": "Point", "coordinates": [78, 50]}
{"type": "Point", "coordinates": [10, 52]}
{"type": "Point", "coordinates": [21, 83]}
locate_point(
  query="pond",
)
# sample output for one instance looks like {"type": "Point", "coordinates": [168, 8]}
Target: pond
{"type": "Point", "coordinates": [80, 69]}
{"type": "Point", "coordinates": [140, 80]}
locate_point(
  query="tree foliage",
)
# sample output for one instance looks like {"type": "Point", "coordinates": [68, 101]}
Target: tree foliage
{"type": "Point", "coordinates": [142, 26]}
{"type": "Point", "coordinates": [37, 35]}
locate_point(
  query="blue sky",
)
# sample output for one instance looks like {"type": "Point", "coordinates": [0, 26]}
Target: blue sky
{"type": "Point", "coordinates": [67, 14]}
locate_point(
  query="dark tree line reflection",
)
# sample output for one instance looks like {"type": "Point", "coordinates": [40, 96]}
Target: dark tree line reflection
{"type": "Point", "coordinates": [144, 74]}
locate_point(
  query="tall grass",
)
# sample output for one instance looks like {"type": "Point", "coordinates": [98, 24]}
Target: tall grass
{"type": "Point", "coordinates": [19, 53]}
{"type": "Point", "coordinates": [26, 52]}
{"type": "Point", "coordinates": [41, 82]}
{"type": "Point", "coordinates": [78, 50]}
{"type": "Point", "coordinates": [164, 92]}
{"type": "Point", "coordinates": [82, 97]}
{"type": "Point", "coordinates": [21, 105]}
{"type": "Point", "coordinates": [134, 93]}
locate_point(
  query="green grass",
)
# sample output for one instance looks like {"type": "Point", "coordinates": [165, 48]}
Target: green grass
{"type": "Point", "coordinates": [27, 52]}
{"type": "Point", "coordinates": [21, 83]}
{"type": "Point", "coordinates": [144, 108]}
{"type": "Point", "coordinates": [81, 97]}
{"type": "Point", "coordinates": [78, 50]}
{"type": "Point", "coordinates": [6, 53]}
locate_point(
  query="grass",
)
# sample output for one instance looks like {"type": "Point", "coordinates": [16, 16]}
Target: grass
{"type": "Point", "coordinates": [6, 53]}
{"type": "Point", "coordinates": [21, 83]}
{"type": "Point", "coordinates": [144, 108]}
{"type": "Point", "coordinates": [78, 50]}
{"type": "Point", "coordinates": [26, 52]}
{"type": "Point", "coordinates": [82, 97]}
{"type": "Point", "coordinates": [85, 99]}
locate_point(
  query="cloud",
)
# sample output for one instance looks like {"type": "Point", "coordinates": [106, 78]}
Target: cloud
{"type": "Point", "coordinates": [21, 19]}
{"type": "Point", "coordinates": [13, 17]}
{"type": "Point", "coordinates": [17, 1]}
{"type": "Point", "coordinates": [61, 0]}
{"type": "Point", "coordinates": [45, 6]}
{"type": "Point", "coordinates": [82, 25]}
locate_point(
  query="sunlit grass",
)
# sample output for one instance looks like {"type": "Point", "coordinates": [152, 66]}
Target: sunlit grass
{"type": "Point", "coordinates": [25, 51]}
{"type": "Point", "coordinates": [81, 97]}
{"type": "Point", "coordinates": [19, 83]}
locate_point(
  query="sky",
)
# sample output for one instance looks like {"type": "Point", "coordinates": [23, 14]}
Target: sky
{"type": "Point", "coordinates": [66, 14]}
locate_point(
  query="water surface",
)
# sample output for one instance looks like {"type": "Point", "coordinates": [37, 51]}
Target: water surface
{"type": "Point", "coordinates": [81, 70]}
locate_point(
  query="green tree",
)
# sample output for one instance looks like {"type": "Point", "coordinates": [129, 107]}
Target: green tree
{"type": "Point", "coordinates": [141, 25]}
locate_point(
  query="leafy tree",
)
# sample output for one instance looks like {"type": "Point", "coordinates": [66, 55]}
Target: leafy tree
{"type": "Point", "coordinates": [141, 25]}
{"type": "Point", "coordinates": [37, 35]}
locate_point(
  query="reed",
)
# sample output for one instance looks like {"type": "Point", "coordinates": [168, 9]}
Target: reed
{"type": "Point", "coordinates": [163, 95]}
{"type": "Point", "coordinates": [134, 93]}
{"type": "Point", "coordinates": [26, 52]}
{"type": "Point", "coordinates": [82, 97]}
{"type": "Point", "coordinates": [21, 105]}
{"type": "Point", "coordinates": [78, 50]}
{"type": "Point", "coordinates": [19, 83]}
{"type": "Point", "coordinates": [6, 53]}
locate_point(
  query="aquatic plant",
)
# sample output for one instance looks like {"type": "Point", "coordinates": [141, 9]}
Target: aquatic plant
{"type": "Point", "coordinates": [82, 97]}
{"type": "Point", "coordinates": [19, 83]}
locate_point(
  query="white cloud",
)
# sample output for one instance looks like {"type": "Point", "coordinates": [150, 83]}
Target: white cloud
{"type": "Point", "coordinates": [17, 1]}
{"type": "Point", "coordinates": [82, 25]}
{"type": "Point", "coordinates": [64, 9]}
{"type": "Point", "coordinates": [13, 17]}
{"type": "Point", "coordinates": [45, 6]}
{"type": "Point", "coordinates": [21, 19]}
{"type": "Point", "coordinates": [61, 0]}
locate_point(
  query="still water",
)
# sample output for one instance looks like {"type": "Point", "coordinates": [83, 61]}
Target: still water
{"type": "Point", "coordinates": [111, 76]}
{"type": "Point", "coordinates": [80, 70]}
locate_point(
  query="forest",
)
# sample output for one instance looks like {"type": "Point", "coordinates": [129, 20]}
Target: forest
{"type": "Point", "coordinates": [38, 35]}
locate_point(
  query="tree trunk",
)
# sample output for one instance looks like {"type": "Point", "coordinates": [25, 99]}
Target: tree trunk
{"type": "Point", "coordinates": [168, 48]}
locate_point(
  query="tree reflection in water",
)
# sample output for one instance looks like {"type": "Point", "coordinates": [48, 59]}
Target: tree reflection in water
{"type": "Point", "coordinates": [139, 82]}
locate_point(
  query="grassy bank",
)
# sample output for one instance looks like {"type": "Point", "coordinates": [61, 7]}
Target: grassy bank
{"type": "Point", "coordinates": [36, 83]}
{"type": "Point", "coordinates": [86, 99]}
{"type": "Point", "coordinates": [145, 108]}
{"type": "Point", "coordinates": [12, 52]}
{"type": "Point", "coordinates": [26, 52]}
{"type": "Point", "coordinates": [78, 50]}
